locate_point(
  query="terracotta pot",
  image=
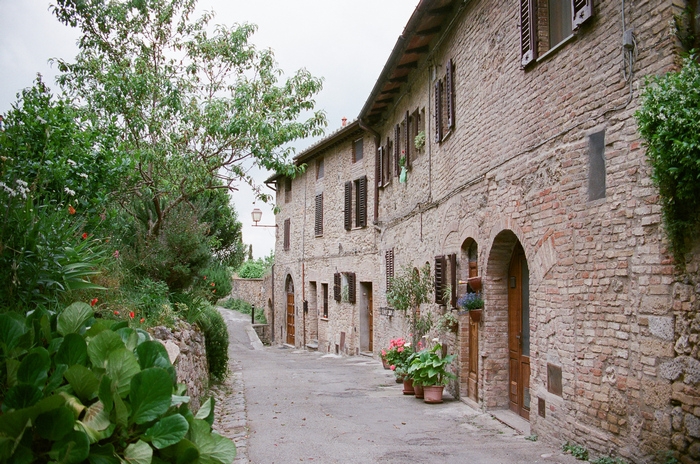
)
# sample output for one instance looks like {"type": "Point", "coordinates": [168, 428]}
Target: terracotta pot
{"type": "Point", "coordinates": [419, 391]}
{"type": "Point", "coordinates": [385, 364]}
{"type": "Point", "coordinates": [433, 393]}
{"type": "Point", "coordinates": [474, 283]}
{"type": "Point", "coordinates": [399, 378]}
{"type": "Point", "coordinates": [475, 315]}
{"type": "Point", "coordinates": [408, 387]}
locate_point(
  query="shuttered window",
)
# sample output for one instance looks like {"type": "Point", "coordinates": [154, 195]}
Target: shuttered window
{"type": "Point", "coordinates": [352, 287]}
{"type": "Point", "coordinates": [389, 258]}
{"type": "Point", "coordinates": [387, 161]}
{"type": "Point", "coordinates": [287, 229]}
{"type": "Point", "coordinates": [336, 287]}
{"type": "Point", "coordinates": [397, 148]}
{"type": "Point", "coordinates": [528, 50]}
{"type": "Point", "coordinates": [361, 202]}
{"type": "Point", "coordinates": [407, 140]}
{"type": "Point", "coordinates": [380, 166]}
{"type": "Point", "coordinates": [453, 280]}
{"type": "Point", "coordinates": [357, 149]}
{"type": "Point", "coordinates": [440, 278]}
{"type": "Point", "coordinates": [582, 11]}
{"type": "Point", "coordinates": [438, 110]}
{"type": "Point", "coordinates": [325, 300]}
{"type": "Point", "coordinates": [348, 206]}
{"type": "Point", "coordinates": [318, 220]}
{"type": "Point", "coordinates": [449, 94]}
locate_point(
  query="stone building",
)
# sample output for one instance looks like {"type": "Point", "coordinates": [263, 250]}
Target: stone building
{"type": "Point", "coordinates": [533, 177]}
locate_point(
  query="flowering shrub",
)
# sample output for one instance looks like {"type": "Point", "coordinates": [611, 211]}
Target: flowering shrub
{"type": "Point", "coordinates": [470, 301]}
{"type": "Point", "coordinates": [397, 355]}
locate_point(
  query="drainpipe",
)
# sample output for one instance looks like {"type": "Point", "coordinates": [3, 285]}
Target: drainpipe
{"type": "Point", "coordinates": [377, 142]}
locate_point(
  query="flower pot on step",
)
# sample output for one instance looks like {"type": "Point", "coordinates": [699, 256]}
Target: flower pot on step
{"type": "Point", "coordinates": [385, 363]}
{"type": "Point", "coordinates": [432, 394]}
{"type": "Point", "coordinates": [418, 389]}
{"type": "Point", "coordinates": [408, 387]}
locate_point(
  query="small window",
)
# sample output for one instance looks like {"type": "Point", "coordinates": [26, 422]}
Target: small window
{"type": "Point", "coordinates": [389, 257]}
{"type": "Point", "coordinates": [325, 300]}
{"type": "Point", "coordinates": [357, 150]}
{"type": "Point", "coordinates": [319, 168]}
{"type": "Point", "coordinates": [287, 230]}
{"type": "Point", "coordinates": [596, 166]}
{"type": "Point", "coordinates": [287, 189]}
{"type": "Point", "coordinates": [361, 202]}
{"type": "Point", "coordinates": [318, 220]}
{"type": "Point", "coordinates": [559, 19]}
{"type": "Point", "coordinates": [444, 103]}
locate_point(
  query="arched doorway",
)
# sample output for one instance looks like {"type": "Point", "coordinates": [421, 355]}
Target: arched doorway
{"type": "Point", "coordinates": [519, 333]}
{"type": "Point", "coordinates": [289, 287]}
{"type": "Point", "coordinates": [469, 255]}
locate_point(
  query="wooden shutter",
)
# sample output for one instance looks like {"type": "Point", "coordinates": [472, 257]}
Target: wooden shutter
{"type": "Point", "coordinates": [453, 280]}
{"type": "Point", "coordinates": [389, 257]}
{"type": "Point", "coordinates": [407, 141]}
{"type": "Point", "coordinates": [582, 11]}
{"type": "Point", "coordinates": [397, 148]}
{"type": "Point", "coordinates": [352, 284]}
{"type": "Point", "coordinates": [440, 265]}
{"type": "Point", "coordinates": [336, 287]}
{"type": "Point", "coordinates": [387, 167]}
{"type": "Point", "coordinates": [348, 205]}
{"type": "Point", "coordinates": [438, 111]}
{"type": "Point", "coordinates": [318, 223]}
{"type": "Point", "coordinates": [380, 167]}
{"type": "Point", "coordinates": [449, 94]}
{"type": "Point", "coordinates": [528, 32]}
{"type": "Point", "coordinates": [287, 228]}
{"type": "Point", "coordinates": [361, 202]}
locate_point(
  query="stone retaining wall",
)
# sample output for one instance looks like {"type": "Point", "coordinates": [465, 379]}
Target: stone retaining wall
{"type": "Point", "coordinates": [185, 345]}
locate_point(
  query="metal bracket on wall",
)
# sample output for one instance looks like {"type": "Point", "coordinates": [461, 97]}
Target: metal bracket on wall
{"type": "Point", "coordinates": [386, 311]}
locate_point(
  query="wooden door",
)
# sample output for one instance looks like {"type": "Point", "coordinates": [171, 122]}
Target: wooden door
{"type": "Point", "coordinates": [290, 319]}
{"type": "Point", "coordinates": [473, 377]}
{"type": "Point", "coordinates": [370, 321]}
{"type": "Point", "coordinates": [519, 333]}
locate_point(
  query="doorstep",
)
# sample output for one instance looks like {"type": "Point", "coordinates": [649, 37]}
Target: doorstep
{"type": "Point", "coordinates": [512, 420]}
{"type": "Point", "coordinates": [369, 354]}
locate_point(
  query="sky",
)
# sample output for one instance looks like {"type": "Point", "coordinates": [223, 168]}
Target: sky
{"type": "Point", "coordinates": [344, 42]}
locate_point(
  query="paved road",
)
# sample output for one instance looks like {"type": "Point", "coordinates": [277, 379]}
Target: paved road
{"type": "Point", "coordinates": [303, 406]}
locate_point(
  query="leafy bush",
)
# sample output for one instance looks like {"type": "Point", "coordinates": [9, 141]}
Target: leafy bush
{"type": "Point", "coordinates": [608, 460]}
{"type": "Point", "coordinates": [78, 389]}
{"type": "Point", "coordinates": [668, 120]}
{"type": "Point", "coordinates": [577, 451]}
{"type": "Point", "coordinates": [214, 282]}
{"type": "Point", "coordinates": [243, 307]}
{"type": "Point", "coordinates": [216, 339]}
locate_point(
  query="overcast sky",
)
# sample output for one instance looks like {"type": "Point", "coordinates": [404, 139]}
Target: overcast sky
{"type": "Point", "coordinates": [344, 42]}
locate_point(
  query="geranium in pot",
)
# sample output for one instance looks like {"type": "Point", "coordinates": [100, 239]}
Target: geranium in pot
{"type": "Point", "coordinates": [429, 369]}
{"type": "Point", "coordinates": [397, 356]}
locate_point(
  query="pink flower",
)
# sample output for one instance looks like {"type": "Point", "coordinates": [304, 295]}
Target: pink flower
{"type": "Point", "coordinates": [383, 352]}
{"type": "Point", "coordinates": [392, 367]}
{"type": "Point", "coordinates": [116, 254]}
{"type": "Point", "coordinates": [399, 349]}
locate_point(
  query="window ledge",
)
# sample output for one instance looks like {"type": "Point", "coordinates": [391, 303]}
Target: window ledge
{"type": "Point", "coordinates": [323, 318]}
{"type": "Point", "coordinates": [556, 48]}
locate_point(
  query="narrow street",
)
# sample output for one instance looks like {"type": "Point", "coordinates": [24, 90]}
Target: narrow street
{"type": "Point", "coordinates": [284, 405]}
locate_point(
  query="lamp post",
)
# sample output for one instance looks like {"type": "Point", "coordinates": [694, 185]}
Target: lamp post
{"type": "Point", "coordinates": [256, 214]}
{"type": "Point", "coordinates": [252, 314]}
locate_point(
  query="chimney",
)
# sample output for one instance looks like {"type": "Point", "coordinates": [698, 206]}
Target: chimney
{"type": "Point", "coordinates": [345, 121]}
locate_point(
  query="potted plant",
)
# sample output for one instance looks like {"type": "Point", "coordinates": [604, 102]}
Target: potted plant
{"type": "Point", "coordinates": [419, 140]}
{"type": "Point", "coordinates": [403, 173]}
{"type": "Point", "coordinates": [429, 369]}
{"type": "Point", "coordinates": [397, 356]}
{"type": "Point", "coordinates": [448, 322]}
{"type": "Point", "coordinates": [407, 291]}
{"type": "Point", "coordinates": [472, 302]}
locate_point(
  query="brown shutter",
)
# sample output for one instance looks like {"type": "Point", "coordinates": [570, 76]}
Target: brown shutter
{"type": "Point", "coordinates": [362, 202]}
{"type": "Point", "coordinates": [528, 32]}
{"type": "Point", "coordinates": [348, 205]}
{"type": "Point", "coordinates": [351, 287]}
{"type": "Point", "coordinates": [380, 167]}
{"type": "Point", "coordinates": [407, 141]}
{"type": "Point", "coordinates": [287, 228]}
{"type": "Point", "coordinates": [397, 148]}
{"type": "Point", "coordinates": [582, 11]}
{"type": "Point", "coordinates": [389, 256]}
{"type": "Point", "coordinates": [387, 167]}
{"type": "Point", "coordinates": [438, 111]}
{"type": "Point", "coordinates": [336, 287]}
{"type": "Point", "coordinates": [449, 94]}
{"type": "Point", "coordinates": [440, 264]}
{"type": "Point", "coordinates": [453, 280]}
{"type": "Point", "coordinates": [318, 223]}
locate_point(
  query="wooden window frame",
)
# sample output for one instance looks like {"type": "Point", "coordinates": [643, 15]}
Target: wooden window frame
{"type": "Point", "coordinates": [287, 234]}
{"type": "Point", "coordinates": [361, 143]}
{"type": "Point", "coordinates": [347, 211]}
{"type": "Point", "coordinates": [389, 266]}
{"type": "Point", "coordinates": [337, 290]}
{"type": "Point", "coordinates": [318, 217]}
{"type": "Point", "coordinates": [352, 287]}
{"type": "Point", "coordinates": [440, 278]}
{"type": "Point", "coordinates": [361, 202]}
{"type": "Point", "coordinates": [320, 168]}
{"type": "Point", "coordinates": [324, 289]}
{"type": "Point", "coordinates": [287, 189]}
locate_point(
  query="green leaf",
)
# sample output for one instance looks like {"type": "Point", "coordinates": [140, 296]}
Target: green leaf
{"type": "Point", "coordinates": [102, 345]}
{"type": "Point", "coordinates": [74, 447]}
{"type": "Point", "coordinates": [150, 394]}
{"type": "Point", "coordinates": [22, 455]}
{"type": "Point", "coordinates": [103, 454]}
{"type": "Point", "coordinates": [121, 412]}
{"type": "Point", "coordinates": [122, 366]}
{"type": "Point", "coordinates": [186, 452]}
{"type": "Point", "coordinates": [129, 337]}
{"type": "Point", "coordinates": [73, 318]}
{"type": "Point", "coordinates": [73, 350]}
{"type": "Point", "coordinates": [96, 417]}
{"type": "Point", "coordinates": [83, 381]}
{"type": "Point", "coordinates": [138, 453]}
{"type": "Point", "coordinates": [34, 368]}
{"type": "Point", "coordinates": [54, 424]}
{"type": "Point", "coordinates": [11, 329]}
{"type": "Point", "coordinates": [212, 447]}
{"type": "Point", "coordinates": [206, 411]}
{"type": "Point", "coordinates": [104, 393]}
{"type": "Point", "coordinates": [55, 380]}
{"type": "Point", "coordinates": [167, 431]}
{"type": "Point", "coordinates": [153, 354]}
{"type": "Point", "coordinates": [21, 396]}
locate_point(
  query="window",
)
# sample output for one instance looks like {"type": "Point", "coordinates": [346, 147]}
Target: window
{"type": "Point", "coordinates": [287, 228]}
{"type": "Point", "coordinates": [318, 220]}
{"type": "Point", "coordinates": [389, 258]}
{"type": "Point", "coordinates": [397, 148]}
{"type": "Point", "coordinates": [357, 150]}
{"type": "Point", "coordinates": [596, 166]}
{"type": "Point", "coordinates": [325, 300]}
{"type": "Point", "coordinates": [352, 287]}
{"type": "Point", "coordinates": [440, 278]}
{"type": "Point", "coordinates": [544, 24]}
{"type": "Point", "coordinates": [443, 93]}
{"type": "Point", "coordinates": [360, 203]}
{"type": "Point", "coordinates": [287, 189]}
{"type": "Point", "coordinates": [319, 168]}
{"type": "Point", "coordinates": [336, 287]}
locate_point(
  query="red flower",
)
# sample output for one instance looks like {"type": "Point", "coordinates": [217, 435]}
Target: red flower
{"type": "Point", "coordinates": [71, 210]}
{"type": "Point", "coordinates": [205, 277]}
{"type": "Point", "coordinates": [116, 313]}
{"type": "Point", "coordinates": [131, 314]}
{"type": "Point", "coordinates": [93, 302]}
{"type": "Point", "coordinates": [213, 284]}
{"type": "Point", "coordinates": [142, 320]}
{"type": "Point", "coordinates": [85, 235]}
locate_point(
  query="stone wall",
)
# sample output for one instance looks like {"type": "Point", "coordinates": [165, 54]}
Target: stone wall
{"type": "Point", "coordinates": [255, 291]}
{"type": "Point", "coordinates": [186, 348]}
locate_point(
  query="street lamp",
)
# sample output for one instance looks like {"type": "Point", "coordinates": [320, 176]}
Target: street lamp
{"type": "Point", "coordinates": [256, 214]}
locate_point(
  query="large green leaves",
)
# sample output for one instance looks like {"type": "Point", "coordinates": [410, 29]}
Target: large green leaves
{"type": "Point", "coordinates": [73, 350]}
{"type": "Point", "coordinates": [73, 318]}
{"type": "Point", "coordinates": [100, 347]}
{"type": "Point", "coordinates": [150, 394]}
{"type": "Point", "coordinates": [167, 431]}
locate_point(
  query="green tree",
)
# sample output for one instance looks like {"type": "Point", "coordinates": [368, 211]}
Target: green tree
{"type": "Point", "coordinates": [195, 109]}
{"type": "Point", "coordinates": [409, 289]}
